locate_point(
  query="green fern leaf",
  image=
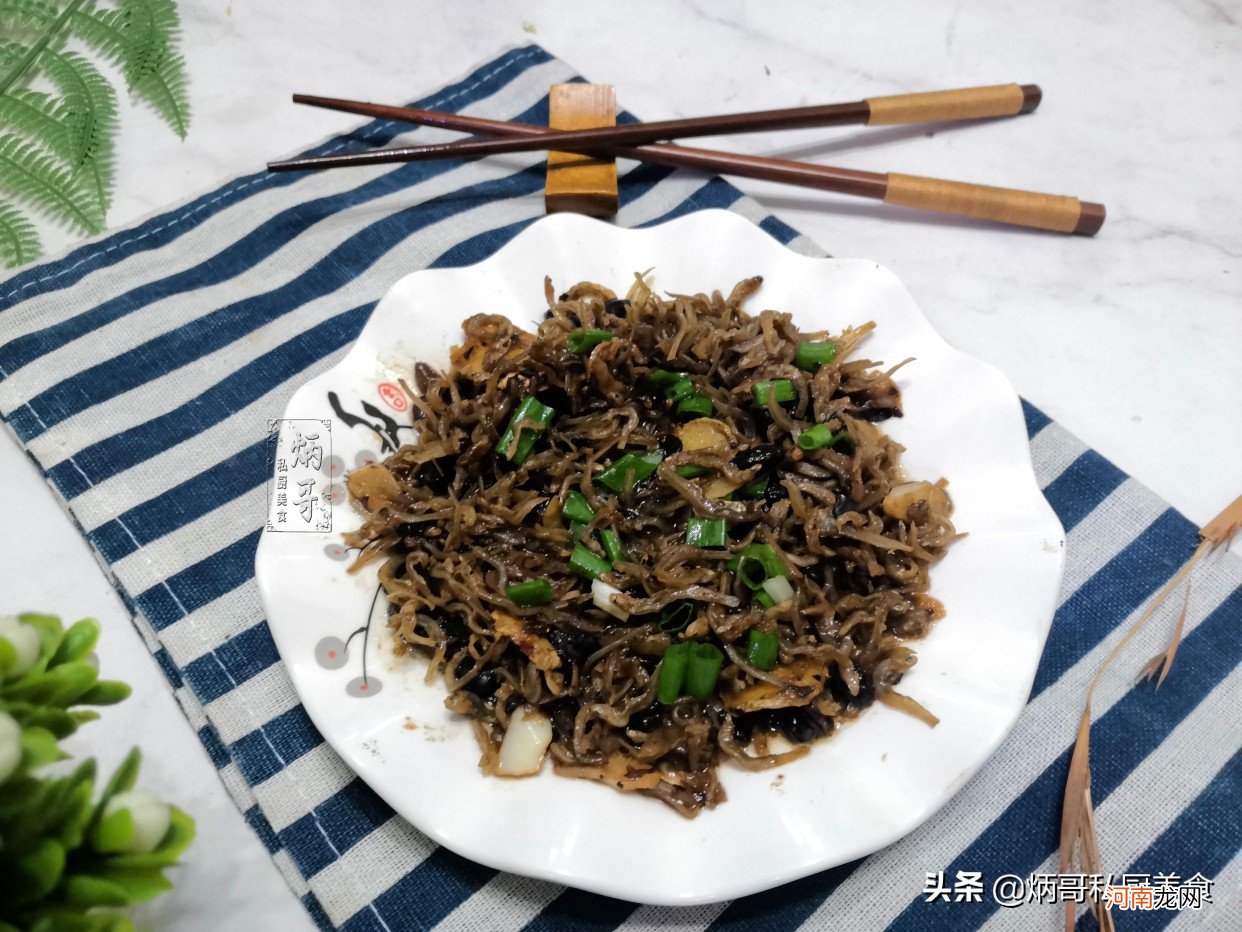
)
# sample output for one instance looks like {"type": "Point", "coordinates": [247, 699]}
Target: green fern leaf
{"type": "Point", "coordinates": [104, 31]}
{"type": "Point", "coordinates": [29, 14]}
{"type": "Point", "coordinates": [42, 117]}
{"type": "Point", "coordinates": [164, 88]}
{"type": "Point", "coordinates": [154, 71]}
{"type": "Point", "coordinates": [91, 104]}
{"type": "Point", "coordinates": [19, 243]}
{"type": "Point", "coordinates": [31, 174]}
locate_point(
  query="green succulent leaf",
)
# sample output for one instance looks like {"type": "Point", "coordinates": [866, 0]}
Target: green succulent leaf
{"type": "Point", "coordinates": [41, 869]}
{"type": "Point", "coordinates": [105, 692]}
{"type": "Point", "coordinates": [123, 778]}
{"type": "Point", "coordinates": [181, 832]}
{"type": "Point", "coordinates": [39, 747]}
{"type": "Point", "coordinates": [8, 654]}
{"type": "Point", "coordinates": [113, 833]}
{"type": "Point", "coordinates": [140, 883]}
{"type": "Point", "coordinates": [59, 686]}
{"type": "Point", "coordinates": [78, 642]}
{"type": "Point", "coordinates": [83, 890]}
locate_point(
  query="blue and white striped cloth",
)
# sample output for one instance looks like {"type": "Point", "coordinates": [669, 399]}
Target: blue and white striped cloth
{"type": "Point", "coordinates": [141, 369]}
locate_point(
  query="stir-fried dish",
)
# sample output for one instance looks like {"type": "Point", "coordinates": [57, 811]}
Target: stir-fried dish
{"type": "Point", "coordinates": [653, 535]}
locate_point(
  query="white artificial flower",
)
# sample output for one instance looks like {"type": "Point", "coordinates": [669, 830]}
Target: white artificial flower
{"type": "Point", "coordinates": [151, 817]}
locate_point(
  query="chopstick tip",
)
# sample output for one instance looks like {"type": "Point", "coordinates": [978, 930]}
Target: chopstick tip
{"type": "Point", "coordinates": [1090, 218]}
{"type": "Point", "coordinates": [1031, 96]}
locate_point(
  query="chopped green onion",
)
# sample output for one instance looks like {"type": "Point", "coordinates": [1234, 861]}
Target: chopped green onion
{"type": "Point", "coordinates": [576, 530]}
{"type": "Point", "coordinates": [583, 341]}
{"type": "Point", "coordinates": [694, 406]}
{"type": "Point", "coordinates": [779, 589]}
{"type": "Point", "coordinates": [756, 487]}
{"type": "Point", "coordinates": [750, 570]}
{"type": "Point", "coordinates": [815, 437]}
{"type": "Point", "coordinates": [703, 670]}
{"type": "Point", "coordinates": [613, 546]}
{"type": "Point", "coordinates": [782, 389]}
{"type": "Point", "coordinates": [682, 389]}
{"type": "Point", "coordinates": [531, 592]}
{"type": "Point", "coordinates": [756, 564]}
{"type": "Point", "coordinates": [663, 379]}
{"type": "Point", "coordinates": [763, 600]}
{"type": "Point", "coordinates": [577, 508]}
{"type": "Point", "coordinates": [629, 470]}
{"type": "Point", "coordinates": [676, 617]}
{"type": "Point", "coordinates": [537, 416]}
{"type": "Point", "coordinates": [810, 356]}
{"type": "Point", "coordinates": [706, 532]}
{"type": "Point", "coordinates": [673, 672]}
{"type": "Point", "coordinates": [761, 649]}
{"type": "Point", "coordinates": [767, 555]}
{"type": "Point", "coordinates": [691, 471]}
{"type": "Point", "coordinates": [588, 564]}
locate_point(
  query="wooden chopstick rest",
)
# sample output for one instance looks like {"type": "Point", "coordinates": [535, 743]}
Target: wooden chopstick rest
{"type": "Point", "coordinates": [583, 184]}
{"type": "Point", "coordinates": [968, 103]}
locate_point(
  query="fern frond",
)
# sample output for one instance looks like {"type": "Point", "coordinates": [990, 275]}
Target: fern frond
{"type": "Point", "coordinates": [92, 110]}
{"type": "Point", "coordinates": [30, 173]}
{"type": "Point", "coordinates": [164, 89]}
{"type": "Point", "coordinates": [155, 72]}
{"type": "Point", "coordinates": [138, 36]}
{"type": "Point", "coordinates": [51, 35]}
{"type": "Point", "coordinates": [42, 117]}
{"type": "Point", "coordinates": [30, 14]}
{"type": "Point", "coordinates": [104, 31]}
{"type": "Point", "coordinates": [19, 243]}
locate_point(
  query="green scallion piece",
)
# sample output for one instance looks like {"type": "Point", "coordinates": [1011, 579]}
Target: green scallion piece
{"type": "Point", "coordinates": [664, 380]}
{"type": "Point", "coordinates": [767, 555]}
{"type": "Point", "coordinates": [755, 564]}
{"type": "Point", "coordinates": [782, 389]}
{"type": "Point", "coordinates": [673, 672]}
{"type": "Point", "coordinates": [755, 488]}
{"type": "Point", "coordinates": [613, 546]}
{"type": "Point", "coordinates": [576, 530]}
{"type": "Point", "coordinates": [682, 389]}
{"type": "Point", "coordinates": [751, 572]}
{"type": "Point", "coordinates": [629, 470]}
{"type": "Point", "coordinates": [586, 563]}
{"type": "Point", "coordinates": [703, 670]}
{"type": "Point", "coordinates": [577, 508]}
{"type": "Point", "coordinates": [676, 617]}
{"type": "Point", "coordinates": [813, 438]}
{"type": "Point", "coordinates": [810, 356]}
{"type": "Point", "coordinates": [706, 532]}
{"type": "Point", "coordinates": [694, 406]}
{"type": "Point", "coordinates": [531, 592]}
{"type": "Point", "coordinates": [534, 417]}
{"type": "Point", "coordinates": [583, 341]}
{"type": "Point", "coordinates": [761, 648]}
{"type": "Point", "coordinates": [763, 600]}
{"type": "Point", "coordinates": [692, 471]}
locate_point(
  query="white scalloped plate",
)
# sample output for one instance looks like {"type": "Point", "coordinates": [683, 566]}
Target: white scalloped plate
{"type": "Point", "coordinates": [870, 784]}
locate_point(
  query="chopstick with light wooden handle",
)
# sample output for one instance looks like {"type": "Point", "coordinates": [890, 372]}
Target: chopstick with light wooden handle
{"type": "Point", "coordinates": [1002, 205]}
{"type": "Point", "coordinates": [971, 103]}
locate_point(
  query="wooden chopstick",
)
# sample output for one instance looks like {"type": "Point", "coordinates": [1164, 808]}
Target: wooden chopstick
{"type": "Point", "coordinates": [1002, 205]}
{"type": "Point", "coordinates": [970, 103]}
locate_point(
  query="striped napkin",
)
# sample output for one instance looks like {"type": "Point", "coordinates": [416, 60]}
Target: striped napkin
{"type": "Point", "coordinates": [141, 369]}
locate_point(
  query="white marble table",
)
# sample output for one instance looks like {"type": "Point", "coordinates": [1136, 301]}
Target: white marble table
{"type": "Point", "coordinates": [1131, 340]}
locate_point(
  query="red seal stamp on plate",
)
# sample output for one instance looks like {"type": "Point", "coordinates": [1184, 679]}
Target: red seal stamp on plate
{"type": "Point", "coordinates": [393, 396]}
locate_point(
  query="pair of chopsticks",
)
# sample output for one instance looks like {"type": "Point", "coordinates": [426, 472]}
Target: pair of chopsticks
{"type": "Point", "coordinates": [641, 141]}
